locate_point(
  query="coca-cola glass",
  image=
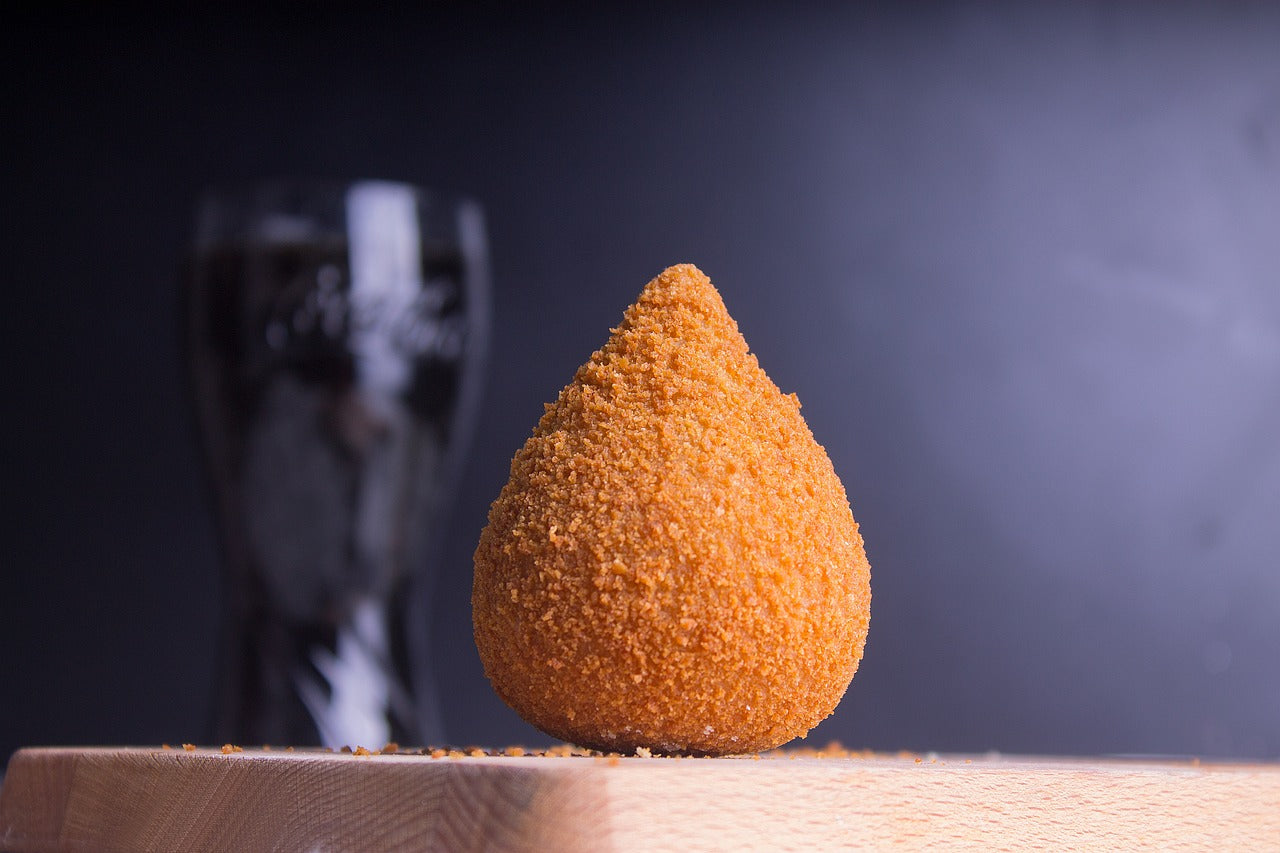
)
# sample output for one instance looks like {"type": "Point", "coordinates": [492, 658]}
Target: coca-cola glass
{"type": "Point", "coordinates": [336, 334]}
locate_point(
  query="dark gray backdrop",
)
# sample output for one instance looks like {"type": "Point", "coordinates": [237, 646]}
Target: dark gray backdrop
{"type": "Point", "coordinates": [1021, 264]}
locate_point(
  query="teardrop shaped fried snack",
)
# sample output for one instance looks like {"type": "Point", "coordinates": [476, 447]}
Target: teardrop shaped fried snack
{"type": "Point", "coordinates": [673, 564]}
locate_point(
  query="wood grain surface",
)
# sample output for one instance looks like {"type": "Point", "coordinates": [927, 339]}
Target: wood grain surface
{"type": "Point", "coordinates": [154, 799]}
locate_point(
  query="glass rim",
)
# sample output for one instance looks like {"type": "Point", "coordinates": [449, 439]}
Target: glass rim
{"type": "Point", "coordinates": [321, 184]}
{"type": "Point", "coordinates": [223, 211]}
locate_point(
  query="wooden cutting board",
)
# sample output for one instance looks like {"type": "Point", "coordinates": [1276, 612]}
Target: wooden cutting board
{"type": "Point", "coordinates": [161, 799]}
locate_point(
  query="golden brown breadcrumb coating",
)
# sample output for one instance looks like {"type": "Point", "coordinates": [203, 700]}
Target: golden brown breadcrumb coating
{"type": "Point", "coordinates": [673, 564]}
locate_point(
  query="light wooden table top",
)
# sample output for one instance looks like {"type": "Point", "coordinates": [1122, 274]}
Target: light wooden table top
{"type": "Point", "coordinates": [168, 799]}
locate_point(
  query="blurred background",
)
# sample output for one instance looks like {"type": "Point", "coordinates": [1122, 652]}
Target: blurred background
{"type": "Point", "coordinates": [1020, 262]}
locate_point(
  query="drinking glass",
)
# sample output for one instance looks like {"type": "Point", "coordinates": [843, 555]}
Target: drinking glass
{"type": "Point", "coordinates": [335, 336]}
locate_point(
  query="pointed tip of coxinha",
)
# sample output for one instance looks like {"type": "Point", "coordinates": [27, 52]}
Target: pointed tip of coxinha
{"type": "Point", "coordinates": [673, 564]}
{"type": "Point", "coordinates": [681, 285]}
{"type": "Point", "coordinates": [682, 301]}
{"type": "Point", "coordinates": [672, 337]}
